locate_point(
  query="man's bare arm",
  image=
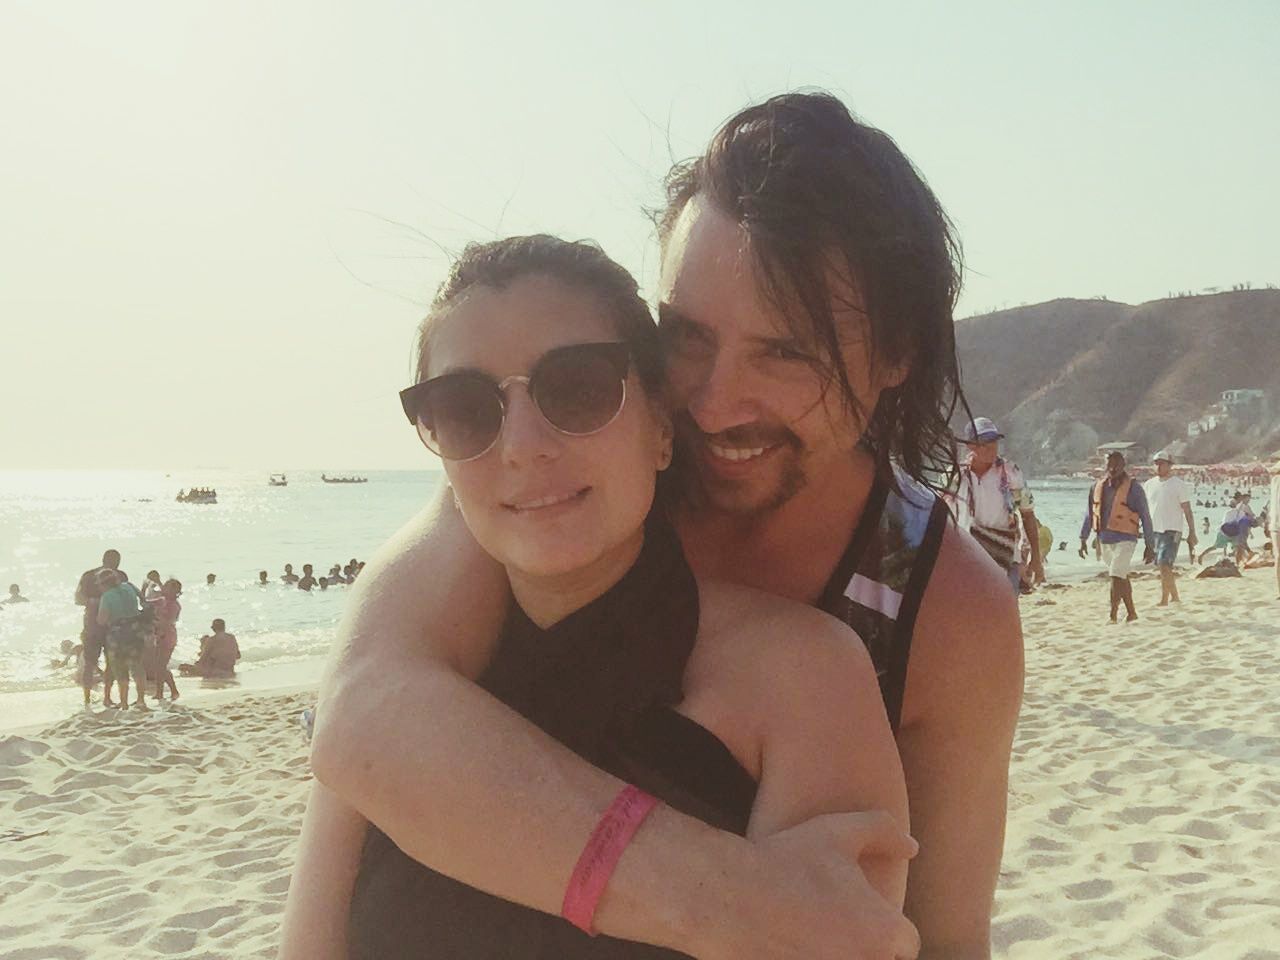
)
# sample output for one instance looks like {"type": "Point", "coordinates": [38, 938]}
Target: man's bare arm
{"type": "Point", "coordinates": [964, 690]}
{"type": "Point", "coordinates": [463, 784]}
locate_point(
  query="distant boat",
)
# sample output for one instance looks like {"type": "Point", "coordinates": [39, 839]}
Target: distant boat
{"type": "Point", "coordinates": [278, 480]}
{"type": "Point", "coordinates": [197, 495]}
{"type": "Point", "coordinates": [344, 479]}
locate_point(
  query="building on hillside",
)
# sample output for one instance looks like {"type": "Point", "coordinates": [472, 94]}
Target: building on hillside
{"type": "Point", "coordinates": [1235, 398]}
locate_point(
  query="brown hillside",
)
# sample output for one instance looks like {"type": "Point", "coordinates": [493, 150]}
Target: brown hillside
{"type": "Point", "coordinates": [1062, 376]}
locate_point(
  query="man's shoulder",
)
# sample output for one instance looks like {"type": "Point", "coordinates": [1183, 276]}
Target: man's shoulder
{"type": "Point", "coordinates": [968, 633]}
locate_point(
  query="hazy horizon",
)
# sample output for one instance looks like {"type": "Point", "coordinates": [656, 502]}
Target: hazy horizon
{"type": "Point", "coordinates": [224, 221]}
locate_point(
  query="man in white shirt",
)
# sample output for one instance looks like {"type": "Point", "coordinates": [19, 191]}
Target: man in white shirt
{"type": "Point", "coordinates": [991, 496]}
{"type": "Point", "coordinates": [1170, 501]}
{"type": "Point", "coordinates": [1273, 518]}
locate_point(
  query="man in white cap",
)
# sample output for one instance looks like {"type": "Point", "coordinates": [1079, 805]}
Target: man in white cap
{"type": "Point", "coordinates": [1169, 500]}
{"type": "Point", "coordinates": [991, 497]}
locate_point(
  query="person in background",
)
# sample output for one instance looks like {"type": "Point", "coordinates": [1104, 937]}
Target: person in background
{"type": "Point", "coordinates": [15, 595]}
{"type": "Point", "coordinates": [150, 586]}
{"type": "Point", "coordinates": [289, 576]}
{"type": "Point", "coordinates": [167, 610]}
{"type": "Point", "coordinates": [308, 578]}
{"type": "Point", "coordinates": [219, 652]}
{"type": "Point", "coordinates": [1116, 507]}
{"type": "Point", "coordinates": [120, 612]}
{"type": "Point", "coordinates": [1273, 511]}
{"type": "Point", "coordinates": [1169, 500]}
{"type": "Point", "coordinates": [992, 502]}
{"type": "Point", "coordinates": [94, 635]}
{"type": "Point", "coordinates": [262, 578]}
{"type": "Point", "coordinates": [210, 580]}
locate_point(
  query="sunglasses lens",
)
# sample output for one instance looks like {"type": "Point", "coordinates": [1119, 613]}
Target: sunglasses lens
{"type": "Point", "coordinates": [579, 391]}
{"type": "Point", "coordinates": [460, 417]}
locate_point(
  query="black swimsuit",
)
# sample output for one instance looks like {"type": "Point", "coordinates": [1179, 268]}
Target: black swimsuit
{"type": "Point", "coordinates": [603, 681]}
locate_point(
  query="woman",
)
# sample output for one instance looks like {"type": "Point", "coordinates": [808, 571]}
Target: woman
{"type": "Point", "coordinates": [540, 386]}
{"type": "Point", "coordinates": [167, 611]}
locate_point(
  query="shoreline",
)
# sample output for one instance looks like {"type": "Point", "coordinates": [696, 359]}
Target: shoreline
{"type": "Point", "coordinates": [28, 712]}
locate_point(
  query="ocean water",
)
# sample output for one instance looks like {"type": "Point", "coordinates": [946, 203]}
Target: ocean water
{"type": "Point", "coordinates": [54, 525]}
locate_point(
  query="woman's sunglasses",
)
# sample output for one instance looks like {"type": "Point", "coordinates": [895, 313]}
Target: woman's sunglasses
{"type": "Point", "coordinates": [578, 389]}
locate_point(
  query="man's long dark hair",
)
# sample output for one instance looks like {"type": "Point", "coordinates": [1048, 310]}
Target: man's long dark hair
{"type": "Point", "coordinates": [816, 188]}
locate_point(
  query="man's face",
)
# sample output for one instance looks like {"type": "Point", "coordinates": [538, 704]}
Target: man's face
{"type": "Point", "coordinates": [1163, 468]}
{"type": "Point", "coordinates": [983, 455]}
{"type": "Point", "coordinates": [759, 422]}
{"type": "Point", "coordinates": [1115, 466]}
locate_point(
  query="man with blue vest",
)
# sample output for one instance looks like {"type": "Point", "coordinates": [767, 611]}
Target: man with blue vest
{"type": "Point", "coordinates": [1117, 505]}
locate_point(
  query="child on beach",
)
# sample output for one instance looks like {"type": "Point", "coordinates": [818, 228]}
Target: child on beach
{"type": "Point", "coordinates": [167, 610]}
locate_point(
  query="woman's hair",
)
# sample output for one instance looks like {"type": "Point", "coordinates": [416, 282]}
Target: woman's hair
{"type": "Point", "coordinates": [815, 188]}
{"type": "Point", "coordinates": [580, 264]}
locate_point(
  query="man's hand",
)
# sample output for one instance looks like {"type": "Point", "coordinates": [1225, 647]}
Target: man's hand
{"type": "Point", "coordinates": [1037, 572]}
{"type": "Point", "coordinates": [1149, 554]}
{"type": "Point", "coordinates": [805, 896]}
{"type": "Point", "coordinates": [1192, 541]}
{"type": "Point", "coordinates": [1084, 549]}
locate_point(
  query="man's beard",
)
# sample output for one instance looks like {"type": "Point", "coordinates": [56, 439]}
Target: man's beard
{"type": "Point", "coordinates": [709, 491]}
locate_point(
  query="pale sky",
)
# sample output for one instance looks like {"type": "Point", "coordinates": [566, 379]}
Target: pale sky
{"type": "Point", "coordinates": [201, 253]}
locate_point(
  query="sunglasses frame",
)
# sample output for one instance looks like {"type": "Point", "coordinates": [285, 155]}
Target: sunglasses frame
{"type": "Point", "coordinates": [617, 352]}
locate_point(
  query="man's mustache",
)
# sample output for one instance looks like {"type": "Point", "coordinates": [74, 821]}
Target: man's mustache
{"type": "Point", "coordinates": [744, 436]}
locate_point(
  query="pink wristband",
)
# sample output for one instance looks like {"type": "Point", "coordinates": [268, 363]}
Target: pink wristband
{"type": "Point", "coordinates": [601, 855]}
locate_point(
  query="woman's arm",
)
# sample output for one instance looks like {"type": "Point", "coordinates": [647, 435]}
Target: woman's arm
{"type": "Point", "coordinates": [315, 916]}
{"type": "Point", "coordinates": [463, 784]}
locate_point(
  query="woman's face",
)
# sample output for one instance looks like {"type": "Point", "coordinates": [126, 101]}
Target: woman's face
{"type": "Point", "coordinates": [543, 503]}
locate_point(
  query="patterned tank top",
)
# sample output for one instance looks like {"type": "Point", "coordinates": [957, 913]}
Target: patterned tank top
{"type": "Point", "coordinates": [878, 584]}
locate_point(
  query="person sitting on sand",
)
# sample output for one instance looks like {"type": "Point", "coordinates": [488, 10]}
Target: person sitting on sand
{"type": "Point", "coordinates": [289, 576]}
{"type": "Point", "coordinates": [15, 595]}
{"type": "Point", "coordinates": [128, 631]}
{"type": "Point", "coordinates": [219, 652]}
{"type": "Point", "coordinates": [308, 578]}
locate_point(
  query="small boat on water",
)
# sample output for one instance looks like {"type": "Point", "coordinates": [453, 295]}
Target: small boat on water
{"type": "Point", "coordinates": [328, 479]}
{"type": "Point", "coordinates": [197, 495]}
{"type": "Point", "coordinates": [278, 480]}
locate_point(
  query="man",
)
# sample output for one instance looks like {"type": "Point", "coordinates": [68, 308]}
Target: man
{"type": "Point", "coordinates": [93, 636]}
{"type": "Point", "coordinates": [210, 579]}
{"type": "Point", "coordinates": [15, 594]}
{"type": "Point", "coordinates": [127, 633]}
{"type": "Point", "coordinates": [308, 578]}
{"type": "Point", "coordinates": [1116, 507]}
{"type": "Point", "coordinates": [806, 296]}
{"type": "Point", "coordinates": [289, 576]}
{"type": "Point", "coordinates": [991, 498]}
{"type": "Point", "coordinates": [1273, 518]}
{"type": "Point", "coordinates": [219, 652]}
{"type": "Point", "coordinates": [1169, 499]}
{"type": "Point", "coordinates": [262, 578]}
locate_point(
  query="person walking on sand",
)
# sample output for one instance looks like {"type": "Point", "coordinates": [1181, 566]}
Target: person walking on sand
{"type": "Point", "coordinates": [1170, 502]}
{"type": "Point", "coordinates": [993, 503]}
{"type": "Point", "coordinates": [1116, 507]}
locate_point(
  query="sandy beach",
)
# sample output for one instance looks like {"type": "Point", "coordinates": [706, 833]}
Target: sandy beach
{"type": "Point", "coordinates": [1144, 807]}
